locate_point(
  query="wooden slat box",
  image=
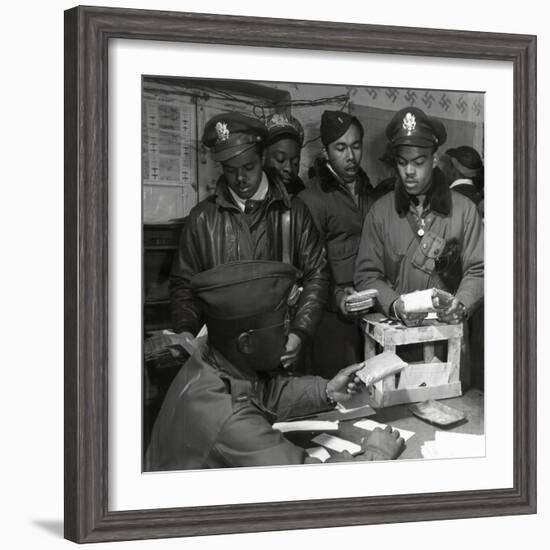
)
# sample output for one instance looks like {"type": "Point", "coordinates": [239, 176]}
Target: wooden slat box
{"type": "Point", "coordinates": [430, 379]}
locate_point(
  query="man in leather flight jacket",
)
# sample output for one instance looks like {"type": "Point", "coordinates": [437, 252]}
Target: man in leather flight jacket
{"type": "Point", "coordinates": [243, 220]}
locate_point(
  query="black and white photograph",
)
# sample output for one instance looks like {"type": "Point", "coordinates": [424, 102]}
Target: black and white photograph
{"type": "Point", "coordinates": [313, 273]}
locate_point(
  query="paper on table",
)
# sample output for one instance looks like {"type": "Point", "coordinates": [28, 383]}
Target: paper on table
{"type": "Point", "coordinates": [306, 426]}
{"type": "Point", "coordinates": [337, 444]}
{"type": "Point", "coordinates": [318, 452]}
{"type": "Point", "coordinates": [371, 424]}
{"type": "Point", "coordinates": [358, 401]}
{"type": "Point", "coordinates": [454, 445]}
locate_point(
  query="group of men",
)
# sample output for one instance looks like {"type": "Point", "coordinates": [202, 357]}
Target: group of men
{"type": "Point", "coordinates": [267, 262]}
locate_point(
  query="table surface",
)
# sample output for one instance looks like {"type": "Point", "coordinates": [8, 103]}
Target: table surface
{"type": "Point", "coordinates": [399, 416]}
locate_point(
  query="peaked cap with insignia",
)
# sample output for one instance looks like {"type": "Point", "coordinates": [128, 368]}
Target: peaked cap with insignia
{"type": "Point", "coordinates": [231, 134]}
{"type": "Point", "coordinates": [411, 126]}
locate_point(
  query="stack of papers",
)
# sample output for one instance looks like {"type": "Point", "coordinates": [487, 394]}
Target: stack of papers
{"type": "Point", "coordinates": [454, 445]}
{"type": "Point", "coordinates": [371, 424]}
{"type": "Point", "coordinates": [306, 426]}
{"type": "Point", "coordinates": [318, 452]}
{"type": "Point", "coordinates": [337, 444]}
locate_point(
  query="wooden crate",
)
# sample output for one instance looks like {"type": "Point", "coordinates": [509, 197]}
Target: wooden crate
{"type": "Point", "coordinates": [430, 379]}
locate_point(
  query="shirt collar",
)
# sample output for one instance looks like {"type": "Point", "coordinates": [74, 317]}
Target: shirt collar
{"type": "Point", "coordinates": [259, 195]}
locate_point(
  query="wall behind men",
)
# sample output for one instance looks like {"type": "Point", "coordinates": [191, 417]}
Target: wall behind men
{"type": "Point", "coordinates": [31, 461]}
{"type": "Point", "coordinates": [180, 172]}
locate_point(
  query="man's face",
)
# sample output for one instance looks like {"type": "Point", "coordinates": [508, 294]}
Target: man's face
{"type": "Point", "coordinates": [415, 166]}
{"type": "Point", "coordinates": [244, 173]}
{"type": "Point", "coordinates": [284, 158]}
{"type": "Point", "coordinates": [345, 154]}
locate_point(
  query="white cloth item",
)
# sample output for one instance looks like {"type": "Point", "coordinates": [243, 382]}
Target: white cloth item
{"type": "Point", "coordinates": [419, 301]}
{"type": "Point", "coordinates": [259, 195]}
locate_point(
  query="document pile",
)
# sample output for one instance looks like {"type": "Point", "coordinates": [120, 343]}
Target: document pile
{"type": "Point", "coordinates": [371, 424]}
{"type": "Point", "coordinates": [454, 445]}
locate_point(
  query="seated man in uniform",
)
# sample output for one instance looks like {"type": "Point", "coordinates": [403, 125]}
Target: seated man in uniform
{"type": "Point", "coordinates": [423, 235]}
{"type": "Point", "coordinates": [249, 217]}
{"type": "Point", "coordinates": [221, 406]}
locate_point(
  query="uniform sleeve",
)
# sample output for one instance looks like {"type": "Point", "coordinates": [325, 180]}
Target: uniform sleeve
{"type": "Point", "coordinates": [470, 290]}
{"type": "Point", "coordinates": [185, 309]}
{"type": "Point", "coordinates": [247, 439]}
{"type": "Point", "coordinates": [369, 265]}
{"type": "Point", "coordinates": [310, 258]}
{"type": "Point", "coordinates": [296, 396]}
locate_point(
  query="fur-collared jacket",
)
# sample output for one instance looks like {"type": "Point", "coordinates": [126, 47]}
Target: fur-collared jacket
{"type": "Point", "coordinates": [339, 217]}
{"type": "Point", "coordinates": [396, 259]}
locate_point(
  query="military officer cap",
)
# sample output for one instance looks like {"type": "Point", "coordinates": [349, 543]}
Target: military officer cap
{"type": "Point", "coordinates": [281, 124]}
{"type": "Point", "coordinates": [466, 160]}
{"type": "Point", "coordinates": [231, 134]}
{"type": "Point", "coordinates": [334, 124]}
{"type": "Point", "coordinates": [411, 126]}
{"type": "Point", "coordinates": [244, 295]}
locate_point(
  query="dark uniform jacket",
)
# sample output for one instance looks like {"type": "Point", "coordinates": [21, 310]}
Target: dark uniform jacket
{"type": "Point", "coordinates": [394, 260]}
{"type": "Point", "coordinates": [340, 219]}
{"type": "Point", "coordinates": [217, 232]}
{"type": "Point", "coordinates": [215, 416]}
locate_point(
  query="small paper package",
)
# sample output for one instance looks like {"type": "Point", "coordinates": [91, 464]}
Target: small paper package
{"type": "Point", "coordinates": [380, 366]}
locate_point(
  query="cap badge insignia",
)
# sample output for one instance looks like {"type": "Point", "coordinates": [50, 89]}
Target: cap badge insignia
{"type": "Point", "coordinates": [340, 120]}
{"type": "Point", "coordinates": [278, 120]}
{"type": "Point", "coordinates": [222, 132]}
{"type": "Point", "coordinates": [409, 123]}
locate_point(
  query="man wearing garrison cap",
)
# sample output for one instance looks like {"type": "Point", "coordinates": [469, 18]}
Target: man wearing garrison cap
{"type": "Point", "coordinates": [339, 196]}
{"type": "Point", "coordinates": [249, 217]}
{"type": "Point", "coordinates": [424, 234]}
{"type": "Point", "coordinates": [220, 409]}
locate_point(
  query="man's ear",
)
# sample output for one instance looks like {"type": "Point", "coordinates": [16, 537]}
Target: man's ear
{"type": "Point", "coordinates": [435, 160]}
{"type": "Point", "coordinates": [324, 153]}
{"type": "Point", "coordinates": [245, 343]}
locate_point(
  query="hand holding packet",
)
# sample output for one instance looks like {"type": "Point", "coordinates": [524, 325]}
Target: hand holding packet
{"type": "Point", "coordinates": [426, 301]}
{"type": "Point", "coordinates": [360, 301]}
{"type": "Point", "coordinates": [380, 366]}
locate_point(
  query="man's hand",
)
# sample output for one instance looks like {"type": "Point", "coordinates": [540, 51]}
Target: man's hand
{"type": "Point", "coordinates": [410, 319]}
{"type": "Point", "coordinates": [345, 385]}
{"type": "Point", "coordinates": [292, 349]}
{"type": "Point", "coordinates": [382, 444]}
{"type": "Point", "coordinates": [341, 302]}
{"type": "Point", "coordinates": [454, 314]}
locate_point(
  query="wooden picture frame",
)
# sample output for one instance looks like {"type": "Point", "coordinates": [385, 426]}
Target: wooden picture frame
{"type": "Point", "coordinates": [87, 34]}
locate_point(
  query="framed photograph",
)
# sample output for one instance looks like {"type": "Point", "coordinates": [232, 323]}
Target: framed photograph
{"type": "Point", "coordinates": [151, 131]}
